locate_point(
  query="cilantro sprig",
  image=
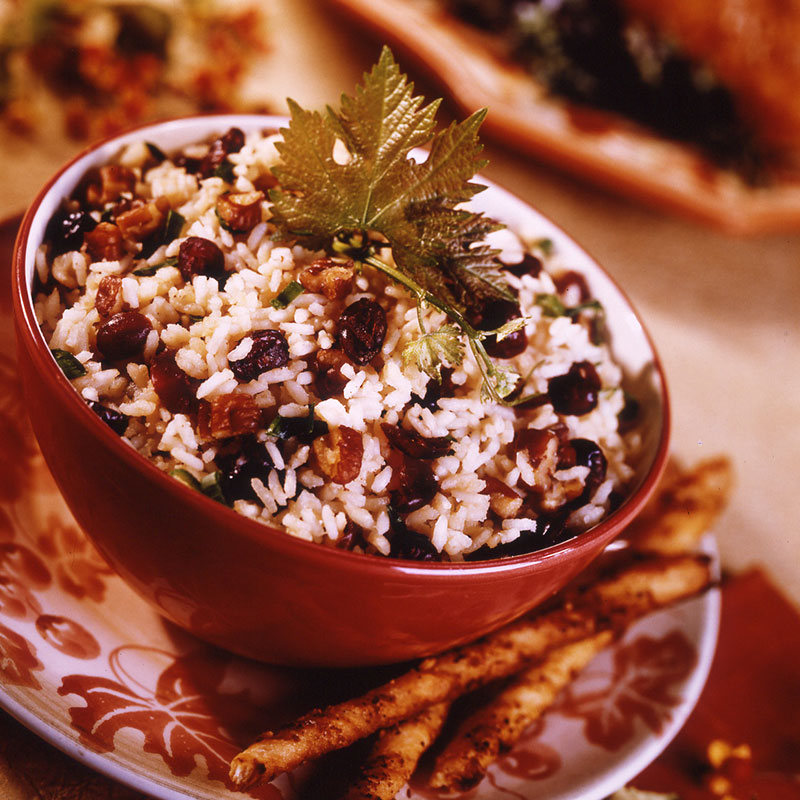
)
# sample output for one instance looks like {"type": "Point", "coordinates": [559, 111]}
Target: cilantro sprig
{"type": "Point", "coordinates": [348, 183]}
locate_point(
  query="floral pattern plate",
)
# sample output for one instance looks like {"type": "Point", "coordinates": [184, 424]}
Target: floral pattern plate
{"type": "Point", "coordinates": [90, 667]}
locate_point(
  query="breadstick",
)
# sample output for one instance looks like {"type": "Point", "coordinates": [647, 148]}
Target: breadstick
{"type": "Point", "coordinates": [395, 755]}
{"type": "Point", "coordinates": [684, 508]}
{"type": "Point", "coordinates": [496, 728]}
{"type": "Point", "coordinates": [632, 592]}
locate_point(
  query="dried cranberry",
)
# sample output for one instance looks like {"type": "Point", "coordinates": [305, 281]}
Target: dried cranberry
{"type": "Point", "coordinates": [413, 483]}
{"type": "Point", "coordinates": [362, 329]}
{"type": "Point", "coordinates": [629, 415]}
{"type": "Point", "coordinates": [66, 229]}
{"type": "Point", "coordinates": [575, 392]}
{"type": "Point", "coordinates": [584, 453]}
{"type": "Point", "coordinates": [416, 445]}
{"type": "Point", "coordinates": [175, 389]}
{"type": "Point", "coordinates": [269, 350]}
{"type": "Point", "coordinates": [115, 420]}
{"type": "Point", "coordinates": [230, 142]}
{"type": "Point", "coordinates": [123, 335]}
{"type": "Point", "coordinates": [407, 544]}
{"type": "Point", "coordinates": [198, 256]}
{"type": "Point", "coordinates": [530, 265]}
{"type": "Point", "coordinates": [238, 468]}
{"type": "Point", "coordinates": [570, 279]}
{"type": "Point", "coordinates": [494, 313]}
{"type": "Point", "coordinates": [435, 391]}
{"type": "Point", "coordinates": [549, 530]}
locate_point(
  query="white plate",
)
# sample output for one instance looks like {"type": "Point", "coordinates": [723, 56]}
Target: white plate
{"type": "Point", "coordinates": [91, 668]}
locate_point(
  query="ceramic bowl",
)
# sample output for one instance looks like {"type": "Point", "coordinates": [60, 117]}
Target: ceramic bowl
{"type": "Point", "coordinates": [255, 590]}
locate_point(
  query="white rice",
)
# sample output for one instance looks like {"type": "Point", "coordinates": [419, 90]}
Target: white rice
{"type": "Point", "coordinates": [211, 328]}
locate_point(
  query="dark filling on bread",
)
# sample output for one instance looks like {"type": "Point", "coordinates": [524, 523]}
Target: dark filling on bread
{"type": "Point", "coordinates": [592, 53]}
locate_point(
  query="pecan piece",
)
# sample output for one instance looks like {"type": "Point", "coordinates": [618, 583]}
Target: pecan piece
{"type": "Point", "coordinates": [114, 181]}
{"type": "Point", "coordinates": [339, 454]}
{"type": "Point", "coordinates": [327, 277]}
{"type": "Point", "coordinates": [104, 243]}
{"type": "Point", "coordinates": [541, 446]}
{"type": "Point", "coordinates": [240, 212]}
{"type": "Point", "coordinates": [108, 299]}
{"type": "Point", "coordinates": [139, 222]}
{"type": "Point", "coordinates": [503, 500]}
{"type": "Point", "coordinates": [329, 381]}
{"type": "Point", "coordinates": [232, 415]}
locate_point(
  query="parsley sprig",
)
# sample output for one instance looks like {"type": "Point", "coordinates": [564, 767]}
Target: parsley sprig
{"type": "Point", "coordinates": [348, 183]}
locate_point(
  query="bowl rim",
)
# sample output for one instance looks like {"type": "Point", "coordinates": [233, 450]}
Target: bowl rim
{"type": "Point", "coordinates": [28, 327]}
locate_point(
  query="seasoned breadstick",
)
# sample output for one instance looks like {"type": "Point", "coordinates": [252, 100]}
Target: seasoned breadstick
{"type": "Point", "coordinates": [684, 508]}
{"type": "Point", "coordinates": [634, 591]}
{"type": "Point", "coordinates": [395, 755]}
{"type": "Point", "coordinates": [496, 728]}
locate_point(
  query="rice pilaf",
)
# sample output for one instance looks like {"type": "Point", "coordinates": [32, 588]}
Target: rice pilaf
{"type": "Point", "coordinates": [237, 378]}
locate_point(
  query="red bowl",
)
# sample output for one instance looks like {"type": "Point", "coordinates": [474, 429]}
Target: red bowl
{"type": "Point", "coordinates": [255, 590]}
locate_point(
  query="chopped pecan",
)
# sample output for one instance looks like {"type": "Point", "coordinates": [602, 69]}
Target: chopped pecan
{"type": "Point", "coordinates": [416, 445]}
{"type": "Point", "coordinates": [329, 381]}
{"type": "Point", "coordinates": [114, 181]}
{"type": "Point", "coordinates": [339, 454]}
{"type": "Point", "coordinates": [108, 299]}
{"type": "Point", "coordinates": [541, 446]}
{"type": "Point", "coordinates": [104, 243]}
{"type": "Point", "coordinates": [326, 276]}
{"type": "Point", "coordinates": [139, 222]}
{"type": "Point", "coordinates": [240, 212]}
{"type": "Point", "coordinates": [503, 500]}
{"type": "Point", "coordinates": [233, 415]}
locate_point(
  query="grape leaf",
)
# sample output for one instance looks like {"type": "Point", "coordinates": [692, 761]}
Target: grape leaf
{"type": "Point", "coordinates": [430, 350]}
{"type": "Point", "coordinates": [349, 174]}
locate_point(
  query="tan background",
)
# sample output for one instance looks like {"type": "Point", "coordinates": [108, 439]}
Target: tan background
{"type": "Point", "coordinates": [723, 311]}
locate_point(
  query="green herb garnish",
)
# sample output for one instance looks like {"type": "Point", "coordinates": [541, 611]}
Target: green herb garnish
{"type": "Point", "coordinates": [70, 365]}
{"type": "Point", "coordinates": [306, 429]}
{"type": "Point", "coordinates": [184, 476]}
{"type": "Point", "coordinates": [173, 225]}
{"type": "Point", "coordinates": [552, 306]}
{"type": "Point", "coordinates": [287, 295]}
{"type": "Point", "coordinates": [211, 486]}
{"type": "Point", "coordinates": [349, 184]}
{"type": "Point", "coordinates": [151, 269]}
{"type": "Point", "coordinates": [155, 151]}
{"type": "Point", "coordinates": [224, 170]}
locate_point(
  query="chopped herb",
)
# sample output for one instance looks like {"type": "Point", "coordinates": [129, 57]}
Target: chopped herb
{"type": "Point", "coordinates": [306, 429]}
{"type": "Point", "coordinates": [196, 318]}
{"type": "Point", "coordinates": [551, 305]}
{"type": "Point", "coordinates": [151, 269]}
{"type": "Point", "coordinates": [544, 246]}
{"type": "Point", "coordinates": [211, 486]}
{"type": "Point", "coordinates": [224, 225]}
{"type": "Point", "coordinates": [173, 226]}
{"type": "Point", "coordinates": [224, 170]}
{"type": "Point", "coordinates": [70, 365]}
{"type": "Point", "coordinates": [184, 476]}
{"type": "Point", "coordinates": [155, 151]}
{"type": "Point", "coordinates": [287, 295]}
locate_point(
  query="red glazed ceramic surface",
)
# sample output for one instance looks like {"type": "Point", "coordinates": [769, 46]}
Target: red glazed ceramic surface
{"type": "Point", "coordinates": [259, 592]}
